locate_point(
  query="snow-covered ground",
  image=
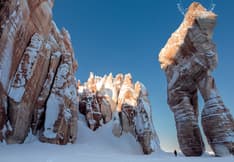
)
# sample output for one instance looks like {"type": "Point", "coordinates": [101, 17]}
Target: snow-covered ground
{"type": "Point", "coordinates": [92, 147]}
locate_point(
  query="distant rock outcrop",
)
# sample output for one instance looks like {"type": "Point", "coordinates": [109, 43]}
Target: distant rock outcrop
{"type": "Point", "coordinates": [37, 66]}
{"type": "Point", "coordinates": [104, 98]}
{"type": "Point", "coordinates": [187, 59]}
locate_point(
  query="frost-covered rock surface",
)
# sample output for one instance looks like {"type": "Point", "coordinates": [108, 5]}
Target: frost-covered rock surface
{"type": "Point", "coordinates": [37, 84]}
{"type": "Point", "coordinates": [105, 98]}
{"type": "Point", "coordinates": [188, 58]}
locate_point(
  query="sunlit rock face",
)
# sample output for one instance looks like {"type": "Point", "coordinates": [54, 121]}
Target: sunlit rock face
{"type": "Point", "coordinates": [188, 58]}
{"type": "Point", "coordinates": [37, 65]}
{"type": "Point", "coordinates": [117, 98]}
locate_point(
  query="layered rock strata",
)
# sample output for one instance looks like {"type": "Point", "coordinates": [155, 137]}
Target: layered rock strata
{"type": "Point", "coordinates": [118, 98]}
{"type": "Point", "coordinates": [37, 66]}
{"type": "Point", "coordinates": [188, 58]}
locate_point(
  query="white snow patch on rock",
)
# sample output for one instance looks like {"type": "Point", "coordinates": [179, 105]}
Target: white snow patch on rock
{"type": "Point", "coordinates": [16, 93]}
{"type": "Point", "coordinates": [52, 112]}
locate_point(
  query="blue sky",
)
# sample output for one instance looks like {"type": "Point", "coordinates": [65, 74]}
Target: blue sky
{"type": "Point", "coordinates": [125, 36]}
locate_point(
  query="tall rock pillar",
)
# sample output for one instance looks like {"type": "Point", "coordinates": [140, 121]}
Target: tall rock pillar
{"type": "Point", "coordinates": [188, 58]}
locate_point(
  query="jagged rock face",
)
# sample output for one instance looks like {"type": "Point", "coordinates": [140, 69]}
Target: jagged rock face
{"type": "Point", "coordinates": [187, 59]}
{"type": "Point", "coordinates": [89, 106]}
{"type": "Point", "coordinates": [106, 98]}
{"type": "Point", "coordinates": [37, 83]}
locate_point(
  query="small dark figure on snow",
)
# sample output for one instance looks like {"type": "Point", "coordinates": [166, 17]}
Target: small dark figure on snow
{"type": "Point", "coordinates": [175, 153]}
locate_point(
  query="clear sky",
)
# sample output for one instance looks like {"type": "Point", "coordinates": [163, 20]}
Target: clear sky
{"type": "Point", "coordinates": [125, 36]}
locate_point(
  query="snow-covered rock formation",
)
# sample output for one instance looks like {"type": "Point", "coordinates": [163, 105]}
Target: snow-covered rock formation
{"type": "Point", "coordinates": [188, 58]}
{"type": "Point", "coordinates": [118, 98]}
{"type": "Point", "coordinates": [37, 66]}
{"type": "Point", "coordinates": [38, 89]}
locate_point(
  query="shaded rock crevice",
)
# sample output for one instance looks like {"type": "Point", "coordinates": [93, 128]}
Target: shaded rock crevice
{"type": "Point", "coordinates": [39, 112]}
